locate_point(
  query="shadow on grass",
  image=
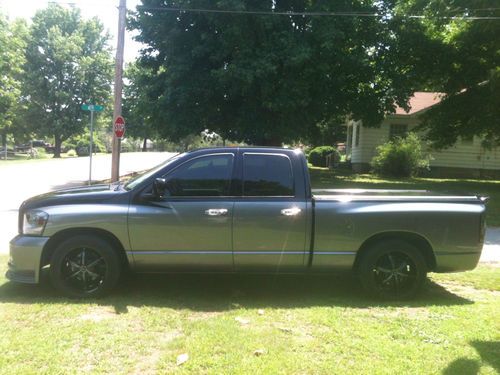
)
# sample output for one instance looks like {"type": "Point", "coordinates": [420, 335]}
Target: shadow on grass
{"type": "Point", "coordinates": [208, 293]}
{"type": "Point", "coordinates": [490, 355]}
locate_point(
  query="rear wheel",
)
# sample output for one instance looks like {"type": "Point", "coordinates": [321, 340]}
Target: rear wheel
{"type": "Point", "coordinates": [392, 270]}
{"type": "Point", "coordinates": [84, 267]}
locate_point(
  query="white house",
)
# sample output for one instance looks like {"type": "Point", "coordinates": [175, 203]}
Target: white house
{"type": "Point", "coordinates": [467, 158]}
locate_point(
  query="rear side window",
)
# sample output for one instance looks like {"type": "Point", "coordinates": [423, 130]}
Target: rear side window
{"type": "Point", "coordinates": [207, 176]}
{"type": "Point", "coordinates": [267, 175]}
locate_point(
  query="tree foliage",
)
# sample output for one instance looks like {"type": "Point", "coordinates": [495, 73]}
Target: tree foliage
{"type": "Point", "coordinates": [466, 68]}
{"type": "Point", "coordinates": [12, 43]}
{"type": "Point", "coordinates": [138, 106]}
{"type": "Point", "coordinates": [269, 79]}
{"type": "Point", "coordinates": [68, 63]}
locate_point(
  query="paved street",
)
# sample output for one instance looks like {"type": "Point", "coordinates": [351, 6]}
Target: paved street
{"type": "Point", "coordinates": [20, 181]}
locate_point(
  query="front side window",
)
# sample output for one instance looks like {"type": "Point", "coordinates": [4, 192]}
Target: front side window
{"type": "Point", "coordinates": [267, 175]}
{"type": "Point", "coordinates": [206, 176]}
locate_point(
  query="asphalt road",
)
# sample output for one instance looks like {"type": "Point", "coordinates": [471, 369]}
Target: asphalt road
{"type": "Point", "coordinates": [19, 181]}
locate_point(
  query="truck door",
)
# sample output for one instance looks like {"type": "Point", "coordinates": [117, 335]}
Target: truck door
{"type": "Point", "coordinates": [190, 228]}
{"type": "Point", "coordinates": [270, 218]}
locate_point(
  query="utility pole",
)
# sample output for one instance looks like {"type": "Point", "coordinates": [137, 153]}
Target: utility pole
{"type": "Point", "coordinates": [90, 145]}
{"type": "Point", "coordinates": [115, 157]}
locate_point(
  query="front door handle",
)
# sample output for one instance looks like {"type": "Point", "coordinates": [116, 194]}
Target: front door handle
{"type": "Point", "coordinates": [216, 212]}
{"type": "Point", "coordinates": [294, 211]}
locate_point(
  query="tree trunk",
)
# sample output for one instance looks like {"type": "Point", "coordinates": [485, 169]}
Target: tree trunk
{"type": "Point", "coordinates": [57, 147]}
{"type": "Point", "coordinates": [145, 145]}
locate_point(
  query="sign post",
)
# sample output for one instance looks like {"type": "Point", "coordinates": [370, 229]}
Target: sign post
{"type": "Point", "coordinates": [92, 108]}
{"type": "Point", "coordinates": [117, 111]}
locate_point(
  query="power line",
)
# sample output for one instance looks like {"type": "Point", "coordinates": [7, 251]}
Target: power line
{"type": "Point", "coordinates": [307, 14]}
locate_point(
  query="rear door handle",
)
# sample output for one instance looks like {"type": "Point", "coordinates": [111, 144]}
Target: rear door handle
{"type": "Point", "coordinates": [216, 212]}
{"type": "Point", "coordinates": [294, 211]}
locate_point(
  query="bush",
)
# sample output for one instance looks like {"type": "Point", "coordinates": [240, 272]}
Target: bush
{"type": "Point", "coordinates": [71, 153]}
{"type": "Point", "coordinates": [82, 147]}
{"type": "Point", "coordinates": [402, 157]}
{"type": "Point", "coordinates": [126, 146]}
{"type": "Point", "coordinates": [317, 156]}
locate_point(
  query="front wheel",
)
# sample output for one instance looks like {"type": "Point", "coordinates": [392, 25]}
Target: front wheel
{"type": "Point", "coordinates": [392, 270]}
{"type": "Point", "coordinates": [84, 266]}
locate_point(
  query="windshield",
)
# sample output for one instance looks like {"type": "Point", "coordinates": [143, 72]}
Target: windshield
{"type": "Point", "coordinates": [131, 184]}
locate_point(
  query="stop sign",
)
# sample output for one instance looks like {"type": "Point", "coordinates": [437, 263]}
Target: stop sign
{"type": "Point", "coordinates": [119, 127]}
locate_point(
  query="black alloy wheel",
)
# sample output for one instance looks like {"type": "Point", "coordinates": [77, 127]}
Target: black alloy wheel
{"type": "Point", "coordinates": [85, 266]}
{"type": "Point", "coordinates": [393, 270]}
{"type": "Point", "coordinates": [84, 270]}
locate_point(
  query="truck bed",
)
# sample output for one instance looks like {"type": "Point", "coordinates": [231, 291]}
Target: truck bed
{"type": "Point", "coordinates": [348, 195]}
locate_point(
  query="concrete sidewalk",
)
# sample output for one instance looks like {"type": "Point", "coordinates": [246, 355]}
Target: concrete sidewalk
{"type": "Point", "coordinates": [491, 249]}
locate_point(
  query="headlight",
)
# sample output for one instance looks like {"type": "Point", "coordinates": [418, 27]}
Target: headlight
{"type": "Point", "coordinates": [34, 222]}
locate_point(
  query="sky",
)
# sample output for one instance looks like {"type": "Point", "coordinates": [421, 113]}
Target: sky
{"type": "Point", "coordinates": [105, 10]}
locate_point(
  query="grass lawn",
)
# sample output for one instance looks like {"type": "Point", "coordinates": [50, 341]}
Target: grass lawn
{"type": "Point", "coordinates": [324, 178]}
{"type": "Point", "coordinates": [253, 324]}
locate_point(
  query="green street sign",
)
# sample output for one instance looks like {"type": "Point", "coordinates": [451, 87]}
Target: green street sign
{"type": "Point", "coordinates": [92, 107]}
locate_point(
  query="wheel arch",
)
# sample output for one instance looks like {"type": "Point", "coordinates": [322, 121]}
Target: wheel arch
{"type": "Point", "coordinates": [417, 240]}
{"type": "Point", "coordinates": [61, 236]}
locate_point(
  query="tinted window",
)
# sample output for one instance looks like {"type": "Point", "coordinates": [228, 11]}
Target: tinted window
{"type": "Point", "coordinates": [207, 176]}
{"type": "Point", "coordinates": [267, 175]}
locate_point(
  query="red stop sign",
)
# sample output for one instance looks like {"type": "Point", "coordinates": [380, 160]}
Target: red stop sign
{"type": "Point", "coordinates": [119, 127]}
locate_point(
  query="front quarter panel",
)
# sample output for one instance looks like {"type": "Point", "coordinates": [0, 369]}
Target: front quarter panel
{"type": "Point", "coordinates": [108, 217]}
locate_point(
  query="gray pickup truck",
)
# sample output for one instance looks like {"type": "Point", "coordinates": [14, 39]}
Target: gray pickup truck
{"type": "Point", "coordinates": [243, 210]}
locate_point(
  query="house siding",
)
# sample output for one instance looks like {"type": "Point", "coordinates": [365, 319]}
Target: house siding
{"type": "Point", "coordinates": [462, 159]}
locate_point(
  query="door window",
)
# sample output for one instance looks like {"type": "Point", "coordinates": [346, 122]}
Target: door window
{"type": "Point", "coordinates": [206, 176]}
{"type": "Point", "coordinates": [267, 175]}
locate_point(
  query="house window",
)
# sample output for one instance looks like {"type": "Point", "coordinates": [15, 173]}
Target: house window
{"type": "Point", "coordinates": [356, 139]}
{"type": "Point", "coordinates": [398, 130]}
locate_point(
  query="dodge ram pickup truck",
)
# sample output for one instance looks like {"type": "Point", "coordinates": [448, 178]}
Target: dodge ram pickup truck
{"type": "Point", "coordinates": [243, 210]}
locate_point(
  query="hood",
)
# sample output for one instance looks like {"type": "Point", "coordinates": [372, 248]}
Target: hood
{"type": "Point", "coordinates": [77, 195]}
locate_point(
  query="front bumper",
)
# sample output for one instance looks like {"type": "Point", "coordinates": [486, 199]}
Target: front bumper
{"type": "Point", "coordinates": [25, 256]}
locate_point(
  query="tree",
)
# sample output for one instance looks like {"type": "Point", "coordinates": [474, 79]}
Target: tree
{"type": "Point", "coordinates": [468, 68]}
{"type": "Point", "coordinates": [12, 44]}
{"type": "Point", "coordinates": [269, 79]}
{"type": "Point", "coordinates": [137, 105]}
{"type": "Point", "coordinates": [68, 63]}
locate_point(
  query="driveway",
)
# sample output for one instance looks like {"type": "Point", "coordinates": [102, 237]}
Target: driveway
{"type": "Point", "coordinates": [21, 180]}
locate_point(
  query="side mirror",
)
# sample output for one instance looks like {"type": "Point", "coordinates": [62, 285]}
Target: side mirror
{"type": "Point", "coordinates": [160, 187]}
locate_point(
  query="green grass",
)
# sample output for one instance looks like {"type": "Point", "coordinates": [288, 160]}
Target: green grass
{"type": "Point", "coordinates": [320, 325]}
{"type": "Point", "coordinates": [324, 178]}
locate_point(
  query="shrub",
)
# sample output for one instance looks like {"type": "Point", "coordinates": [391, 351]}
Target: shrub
{"type": "Point", "coordinates": [82, 146]}
{"type": "Point", "coordinates": [402, 157]}
{"type": "Point", "coordinates": [71, 153]}
{"type": "Point", "coordinates": [126, 146]}
{"type": "Point", "coordinates": [317, 156]}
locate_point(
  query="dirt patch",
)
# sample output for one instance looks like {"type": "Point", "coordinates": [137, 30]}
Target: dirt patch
{"type": "Point", "coordinates": [98, 314]}
{"type": "Point", "coordinates": [146, 364]}
{"type": "Point", "coordinates": [468, 291]}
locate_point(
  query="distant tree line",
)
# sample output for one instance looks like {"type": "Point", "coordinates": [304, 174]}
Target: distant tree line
{"type": "Point", "coordinates": [263, 73]}
{"type": "Point", "coordinates": [49, 69]}
{"type": "Point", "coordinates": [260, 72]}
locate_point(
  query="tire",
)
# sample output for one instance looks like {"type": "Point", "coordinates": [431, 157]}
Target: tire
{"type": "Point", "coordinates": [85, 266]}
{"type": "Point", "coordinates": [393, 270]}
